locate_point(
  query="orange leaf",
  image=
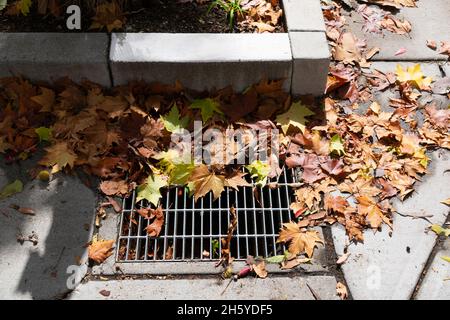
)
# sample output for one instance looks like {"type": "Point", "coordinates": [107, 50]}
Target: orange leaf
{"type": "Point", "coordinates": [99, 251]}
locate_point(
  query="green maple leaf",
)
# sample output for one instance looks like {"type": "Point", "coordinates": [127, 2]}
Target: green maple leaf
{"type": "Point", "coordinates": [276, 259]}
{"type": "Point", "coordinates": [296, 116]}
{"type": "Point", "coordinates": [178, 167]}
{"type": "Point", "coordinates": [43, 133]}
{"type": "Point", "coordinates": [150, 190]}
{"type": "Point", "coordinates": [337, 145]}
{"type": "Point", "coordinates": [173, 122]}
{"type": "Point", "coordinates": [259, 170]}
{"type": "Point", "coordinates": [181, 173]}
{"type": "Point", "coordinates": [207, 108]}
{"type": "Point", "coordinates": [167, 159]}
{"type": "Point", "coordinates": [11, 189]}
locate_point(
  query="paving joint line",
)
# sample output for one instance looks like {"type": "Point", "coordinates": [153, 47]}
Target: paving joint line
{"type": "Point", "coordinates": [290, 274]}
{"type": "Point", "coordinates": [436, 248]}
{"type": "Point", "coordinates": [331, 254]}
{"type": "Point", "coordinates": [108, 60]}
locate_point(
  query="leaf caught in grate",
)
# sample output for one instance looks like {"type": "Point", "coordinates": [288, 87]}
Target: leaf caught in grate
{"type": "Point", "coordinates": [193, 231]}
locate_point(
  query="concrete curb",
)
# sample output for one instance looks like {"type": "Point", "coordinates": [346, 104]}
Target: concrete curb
{"type": "Point", "coordinates": [51, 56]}
{"type": "Point", "coordinates": [198, 61]}
{"type": "Point", "coordinates": [201, 61]}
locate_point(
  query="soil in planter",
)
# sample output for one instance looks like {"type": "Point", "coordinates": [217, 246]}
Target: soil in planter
{"type": "Point", "coordinates": [164, 16]}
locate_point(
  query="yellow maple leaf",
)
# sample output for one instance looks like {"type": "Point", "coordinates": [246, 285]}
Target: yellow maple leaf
{"type": "Point", "coordinates": [294, 117]}
{"type": "Point", "coordinates": [414, 75]}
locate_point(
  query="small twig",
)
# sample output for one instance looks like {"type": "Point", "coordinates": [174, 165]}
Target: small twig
{"type": "Point", "coordinates": [226, 257]}
{"type": "Point", "coordinates": [229, 282]}
{"type": "Point", "coordinates": [274, 185]}
{"type": "Point", "coordinates": [313, 292]}
{"type": "Point", "coordinates": [424, 216]}
{"type": "Point", "coordinates": [136, 11]}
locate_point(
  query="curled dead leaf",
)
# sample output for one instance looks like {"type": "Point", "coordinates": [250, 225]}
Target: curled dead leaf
{"type": "Point", "coordinates": [100, 250]}
{"type": "Point", "coordinates": [260, 269]}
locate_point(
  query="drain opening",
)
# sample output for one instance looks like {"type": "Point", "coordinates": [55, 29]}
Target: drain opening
{"type": "Point", "coordinates": [193, 231]}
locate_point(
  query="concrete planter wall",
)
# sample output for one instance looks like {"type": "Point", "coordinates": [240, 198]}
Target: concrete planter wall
{"type": "Point", "coordinates": [199, 61]}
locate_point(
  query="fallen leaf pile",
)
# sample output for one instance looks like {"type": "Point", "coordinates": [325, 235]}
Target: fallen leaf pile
{"type": "Point", "coordinates": [108, 15]}
{"type": "Point", "coordinates": [397, 4]}
{"type": "Point", "coordinates": [377, 20]}
{"type": "Point", "coordinates": [259, 16]}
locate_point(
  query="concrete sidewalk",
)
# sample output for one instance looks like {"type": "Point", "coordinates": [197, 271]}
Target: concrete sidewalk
{"type": "Point", "coordinates": [429, 21]}
{"type": "Point", "coordinates": [276, 288]}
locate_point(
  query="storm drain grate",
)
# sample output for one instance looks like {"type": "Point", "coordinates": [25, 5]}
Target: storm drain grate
{"type": "Point", "coordinates": [193, 231]}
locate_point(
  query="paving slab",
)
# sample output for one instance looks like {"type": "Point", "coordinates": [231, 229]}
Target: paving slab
{"type": "Point", "coordinates": [276, 288]}
{"type": "Point", "coordinates": [51, 56]}
{"type": "Point", "coordinates": [388, 266]}
{"type": "Point", "coordinates": [201, 61]}
{"type": "Point", "coordinates": [436, 283]}
{"type": "Point", "coordinates": [64, 210]}
{"type": "Point", "coordinates": [305, 15]}
{"type": "Point", "coordinates": [429, 21]}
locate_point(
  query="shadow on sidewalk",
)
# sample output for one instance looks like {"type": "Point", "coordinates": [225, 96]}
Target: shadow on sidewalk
{"type": "Point", "coordinates": [64, 213]}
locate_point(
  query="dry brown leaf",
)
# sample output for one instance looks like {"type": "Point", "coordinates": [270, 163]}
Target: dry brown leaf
{"type": "Point", "coordinates": [116, 206]}
{"type": "Point", "coordinates": [445, 48]}
{"type": "Point", "coordinates": [292, 263]}
{"type": "Point", "coordinates": [112, 188]}
{"type": "Point", "coordinates": [299, 241]}
{"type": "Point", "coordinates": [260, 270]}
{"type": "Point", "coordinates": [342, 259]}
{"type": "Point", "coordinates": [46, 99]}
{"type": "Point", "coordinates": [100, 250]}
{"type": "Point", "coordinates": [335, 204]}
{"type": "Point", "coordinates": [368, 208]}
{"type": "Point", "coordinates": [154, 228]}
{"type": "Point", "coordinates": [431, 44]}
{"type": "Point", "coordinates": [236, 180]}
{"type": "Point", "coordinates": [341, 291]}
{"type": "Point", "coordinates": [108, 15]}
{"type": "Point", "coordinates": [263, 27]}
{"type": "Point", "coordinates": [395, 25]}
{"type": "Point", "coordinates": [393, 3]}
{"type": "Point", "coordinates": [205, 181]}
{"type": "Point", "coordinates": [23, 210]}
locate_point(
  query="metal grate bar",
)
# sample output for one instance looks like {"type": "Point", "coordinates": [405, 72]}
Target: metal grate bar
{"type": "Point", "coordinates": [193, 230]}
